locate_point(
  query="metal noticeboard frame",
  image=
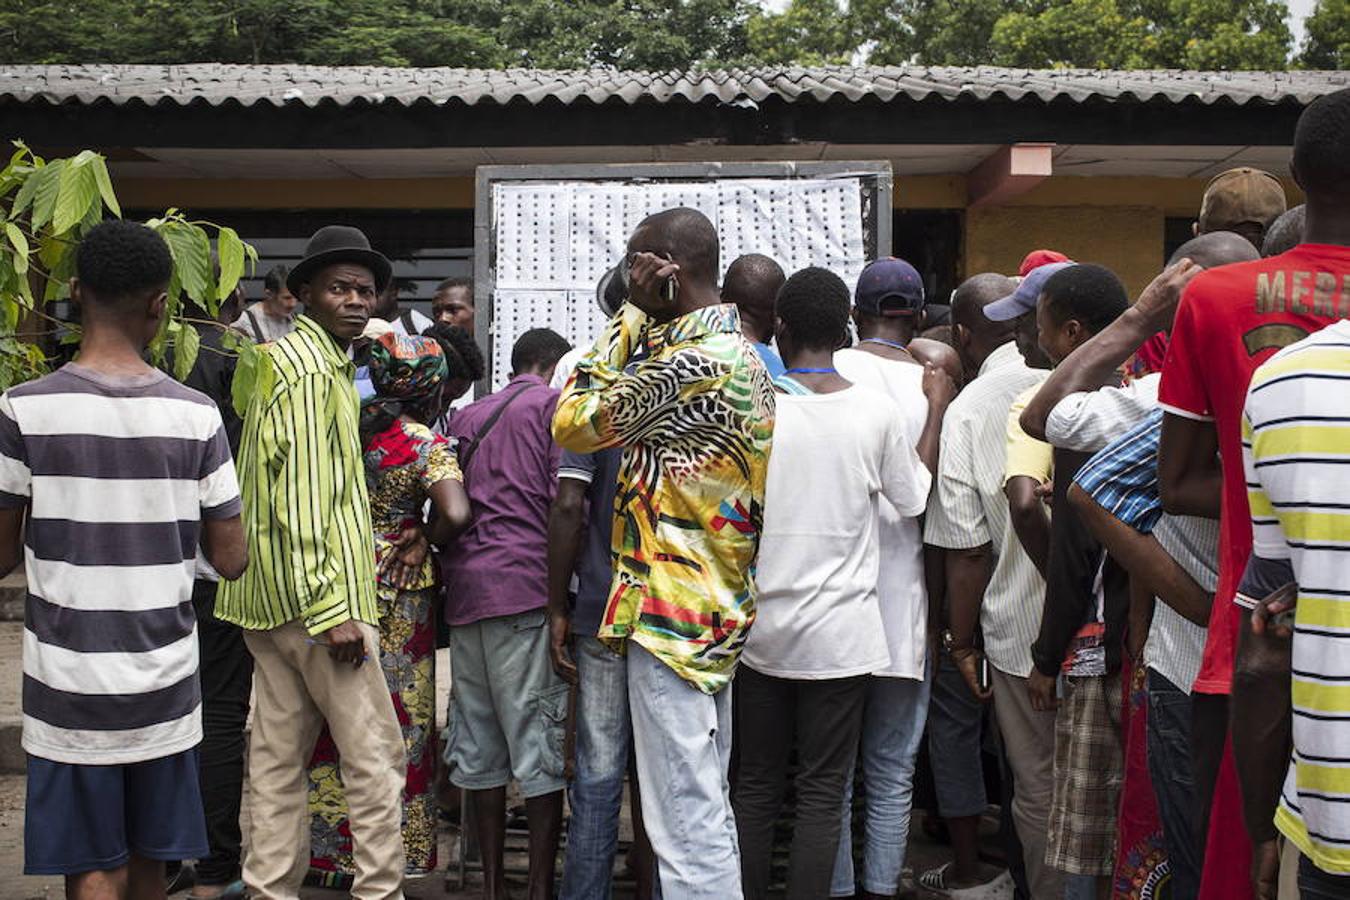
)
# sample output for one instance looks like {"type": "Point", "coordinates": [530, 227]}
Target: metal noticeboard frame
{"type": "Point", "coordinates": [875, 177]}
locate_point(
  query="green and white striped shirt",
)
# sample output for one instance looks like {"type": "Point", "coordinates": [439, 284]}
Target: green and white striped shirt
{"type": "Point", "coordinates": [306, 512]}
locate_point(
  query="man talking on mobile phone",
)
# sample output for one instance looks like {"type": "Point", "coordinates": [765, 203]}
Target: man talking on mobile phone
{"type": "Point", "coordinates": [672, 381]}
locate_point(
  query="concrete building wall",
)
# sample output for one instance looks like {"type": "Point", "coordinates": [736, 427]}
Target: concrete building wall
{"type": "Point", "coordinates": [1116, 221]}
{"type": "Point", "coordinates": [1126, 239]}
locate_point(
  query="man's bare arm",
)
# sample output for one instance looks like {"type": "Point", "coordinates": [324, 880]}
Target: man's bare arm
{"type": "Point", "coordinates": [1145, 559]}
{"type": "Point", "coordinates": [1030, 519]}
{"type": "Point", "coordinates": [565, 529]}
{"type": "Point", "coordinates": [225, 547]}
{"type": "Point", "coordinates": [968, 573]}
{"type": "Point", "coordinates": [1190, 476]}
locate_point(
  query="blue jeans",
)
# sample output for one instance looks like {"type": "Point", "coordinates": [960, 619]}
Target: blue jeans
{"type": "Point", "coordinates": [604, 739]}
{"type": "Point", "coordinates": [1170, 770]}
{"type": "Point", "coordinates": [893, 723]}
{"type": "Point", "coordinates": [682, 739]}
{"type": "Point", "coordinates": [955, 727]}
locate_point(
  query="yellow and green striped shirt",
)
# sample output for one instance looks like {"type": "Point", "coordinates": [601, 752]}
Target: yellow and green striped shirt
{"type": "Point", "coordinates": [1296, 447]}
{"type": "Point", "coordinates": [306, 513]}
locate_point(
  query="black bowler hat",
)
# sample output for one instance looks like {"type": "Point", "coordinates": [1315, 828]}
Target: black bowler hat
{"type": "Point", "coordinates": [334, 244]}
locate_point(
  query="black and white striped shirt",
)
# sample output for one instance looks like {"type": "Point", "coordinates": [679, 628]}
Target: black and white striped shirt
{"type": "Point", "coordinates": [117, 474]}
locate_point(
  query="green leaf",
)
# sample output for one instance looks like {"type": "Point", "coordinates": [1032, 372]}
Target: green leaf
{"type": "Point", "coordinates": [20, 244]}
{"type": "Point", "coordinates": [230, 250]}
{"type": "Point", "coordinates": [105, 187]}
{"type": "Point", "coordinates": [191, 250]}
{"type": "Point", "coordinates": [186, 345]}
{"type": "Point", "coordinates": [9, 315]}
{"type": "Point", "coordinates": [48, 185]}
{"type": "Point", "coordinates": [58, 279]}
{"type": "Point", "coordinates": [246, 373]}
{"type": "Point", "coordinates": [24, 198]}
{"type": "Point", "coordinates": [77, 191]}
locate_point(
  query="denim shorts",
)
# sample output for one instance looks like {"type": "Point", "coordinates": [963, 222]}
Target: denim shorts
{"type": "Point", "coordinates": [81, 818]}
{"type": "Point", "coordinates": [508, 709]}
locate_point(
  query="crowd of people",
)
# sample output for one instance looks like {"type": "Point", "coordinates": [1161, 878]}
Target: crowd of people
{"type": "Point", "coordinates": [747, 554]}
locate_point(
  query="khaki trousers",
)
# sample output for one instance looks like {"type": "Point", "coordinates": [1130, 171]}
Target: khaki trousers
{"type": "Point", "coordinates": [297, 686]}
{"type": "Point", "coordinates": [1029, 741]}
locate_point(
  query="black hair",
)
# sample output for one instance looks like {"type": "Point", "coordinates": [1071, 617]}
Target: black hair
{"type": "Point", "coordinates": [1090, 293]}
{"type": "Point", "coordinates": [117, 260]}
{"type": "Point", "coordinates": [456, 281]}
{"type": "Point", "coordinates": [688, 235]}
{"type": "Point", "coordinates": [813, 306]}
{"type": "Point", "coordinates": [1322, 146]}
{"type": "Point", "coordinates": [1286, 232]}
{"type": "Point", "coordinates": [461, 352]}
{"type": "Point", "coordinates": [1215, 248]}
{"type": "Point", "coordinates": [537, 349]}
{"type": "Point", "coordinates": [275, 279]}
{"type": "Point", "coordinates": [752, 280]}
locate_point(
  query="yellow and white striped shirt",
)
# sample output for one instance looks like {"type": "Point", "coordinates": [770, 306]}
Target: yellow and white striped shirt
{"type": "Point", "coordinates": [1296, 448]}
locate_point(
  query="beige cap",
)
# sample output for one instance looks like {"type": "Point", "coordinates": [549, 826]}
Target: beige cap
{"type": "Point", "coordinates": [1241, 196]}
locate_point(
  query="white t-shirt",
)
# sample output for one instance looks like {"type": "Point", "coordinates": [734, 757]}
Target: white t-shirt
{"type": "Point", "coordinates": [901, 590]}
{"type": "Point", "coordinates": [834, 456]}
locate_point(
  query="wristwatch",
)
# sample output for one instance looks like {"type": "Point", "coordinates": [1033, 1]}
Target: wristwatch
{"type": "Point", "coordinates": [949, 643]}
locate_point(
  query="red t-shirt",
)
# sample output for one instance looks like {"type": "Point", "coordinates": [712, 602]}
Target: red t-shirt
{"type": "Point", "coordinates": [1230, 321]}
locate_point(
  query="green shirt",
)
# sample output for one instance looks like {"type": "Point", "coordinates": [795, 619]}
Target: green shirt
{"type": "Point", "coordinates": [306, 513]}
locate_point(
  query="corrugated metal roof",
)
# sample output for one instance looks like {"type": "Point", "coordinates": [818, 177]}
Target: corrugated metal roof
{"type": "Point", "coordinates": [311, 85]}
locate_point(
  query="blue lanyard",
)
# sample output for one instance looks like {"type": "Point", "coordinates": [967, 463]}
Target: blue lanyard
{"type": "Point", "coordinates": [805, 371]}
{"type": "Point", "coordinates": [885, 343]}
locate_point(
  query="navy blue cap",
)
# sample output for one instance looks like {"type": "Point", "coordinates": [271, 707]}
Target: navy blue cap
{"type": "Point", "coordinates": [889, 287]}
{"type": "Point", "coordinates": [1023, 300]}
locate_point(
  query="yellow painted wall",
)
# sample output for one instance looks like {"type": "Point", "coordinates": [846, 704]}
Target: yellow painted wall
{"type": "Point", "coordinates": [1126, 239]}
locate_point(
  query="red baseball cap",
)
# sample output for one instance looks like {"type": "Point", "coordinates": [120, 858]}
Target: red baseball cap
{"type": "Point", "coordinates": [1037, 258]}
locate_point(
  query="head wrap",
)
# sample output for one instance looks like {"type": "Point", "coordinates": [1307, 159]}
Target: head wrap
{"type": "Point", "coordinates": [408, 373]}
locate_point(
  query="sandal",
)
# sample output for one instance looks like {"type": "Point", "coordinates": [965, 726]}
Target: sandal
{"type": "Point", "coordinates": [935, 879]}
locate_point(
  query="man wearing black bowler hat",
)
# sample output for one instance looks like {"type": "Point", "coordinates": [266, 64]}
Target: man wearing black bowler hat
{"type": "Point", "coordinates": [307, 605]}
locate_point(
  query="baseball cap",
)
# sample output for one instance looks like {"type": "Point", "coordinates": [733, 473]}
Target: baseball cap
{"type": "Point", "coordinates": [1241, 196]}
{"type": "Point", "coordinates": [889, 287]}
{"type": "Point", "coordinates": [1037, 258]}
{"type": "Point", "coordinates": [1023, 300]}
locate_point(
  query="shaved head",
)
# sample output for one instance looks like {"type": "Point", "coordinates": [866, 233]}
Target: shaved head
{"type": "Point", "coordinates": [1286, 232]}
{"type": "Point", "coordinates": [977, 292]}
{"type": "Point", "coordinates": [1216, 248]}
{"type": "Point", "coordinates": [684, 235]}
{"type": "Point", "coordinates": [976, 336]}
{"type": "Point", "coordinates": [752, 283]}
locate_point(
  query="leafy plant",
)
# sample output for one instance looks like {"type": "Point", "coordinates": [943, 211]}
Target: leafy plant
{"type": "Point", "coordinates": [46, 207]}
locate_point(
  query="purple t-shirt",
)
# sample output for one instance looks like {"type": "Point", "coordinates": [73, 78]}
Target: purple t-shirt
{"type": "Point", "coordinates": [499, 566]}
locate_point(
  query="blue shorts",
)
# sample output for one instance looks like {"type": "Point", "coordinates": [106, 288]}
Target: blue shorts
{"type": "Point", "coordinates": [92, 818]}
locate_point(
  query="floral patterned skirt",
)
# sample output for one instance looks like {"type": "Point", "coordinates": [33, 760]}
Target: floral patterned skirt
{"type": "Point", "coordinates": [407, 656]}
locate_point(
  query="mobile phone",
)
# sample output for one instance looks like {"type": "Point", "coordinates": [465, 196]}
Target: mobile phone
{"type": "Point", "coordinates": [982, 676]}
{"type": "Point", "coordinates": [669, 289]}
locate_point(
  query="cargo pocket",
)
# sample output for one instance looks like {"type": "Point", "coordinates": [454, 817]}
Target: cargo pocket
{"type": "Point", "coordinates": [551, 708]}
